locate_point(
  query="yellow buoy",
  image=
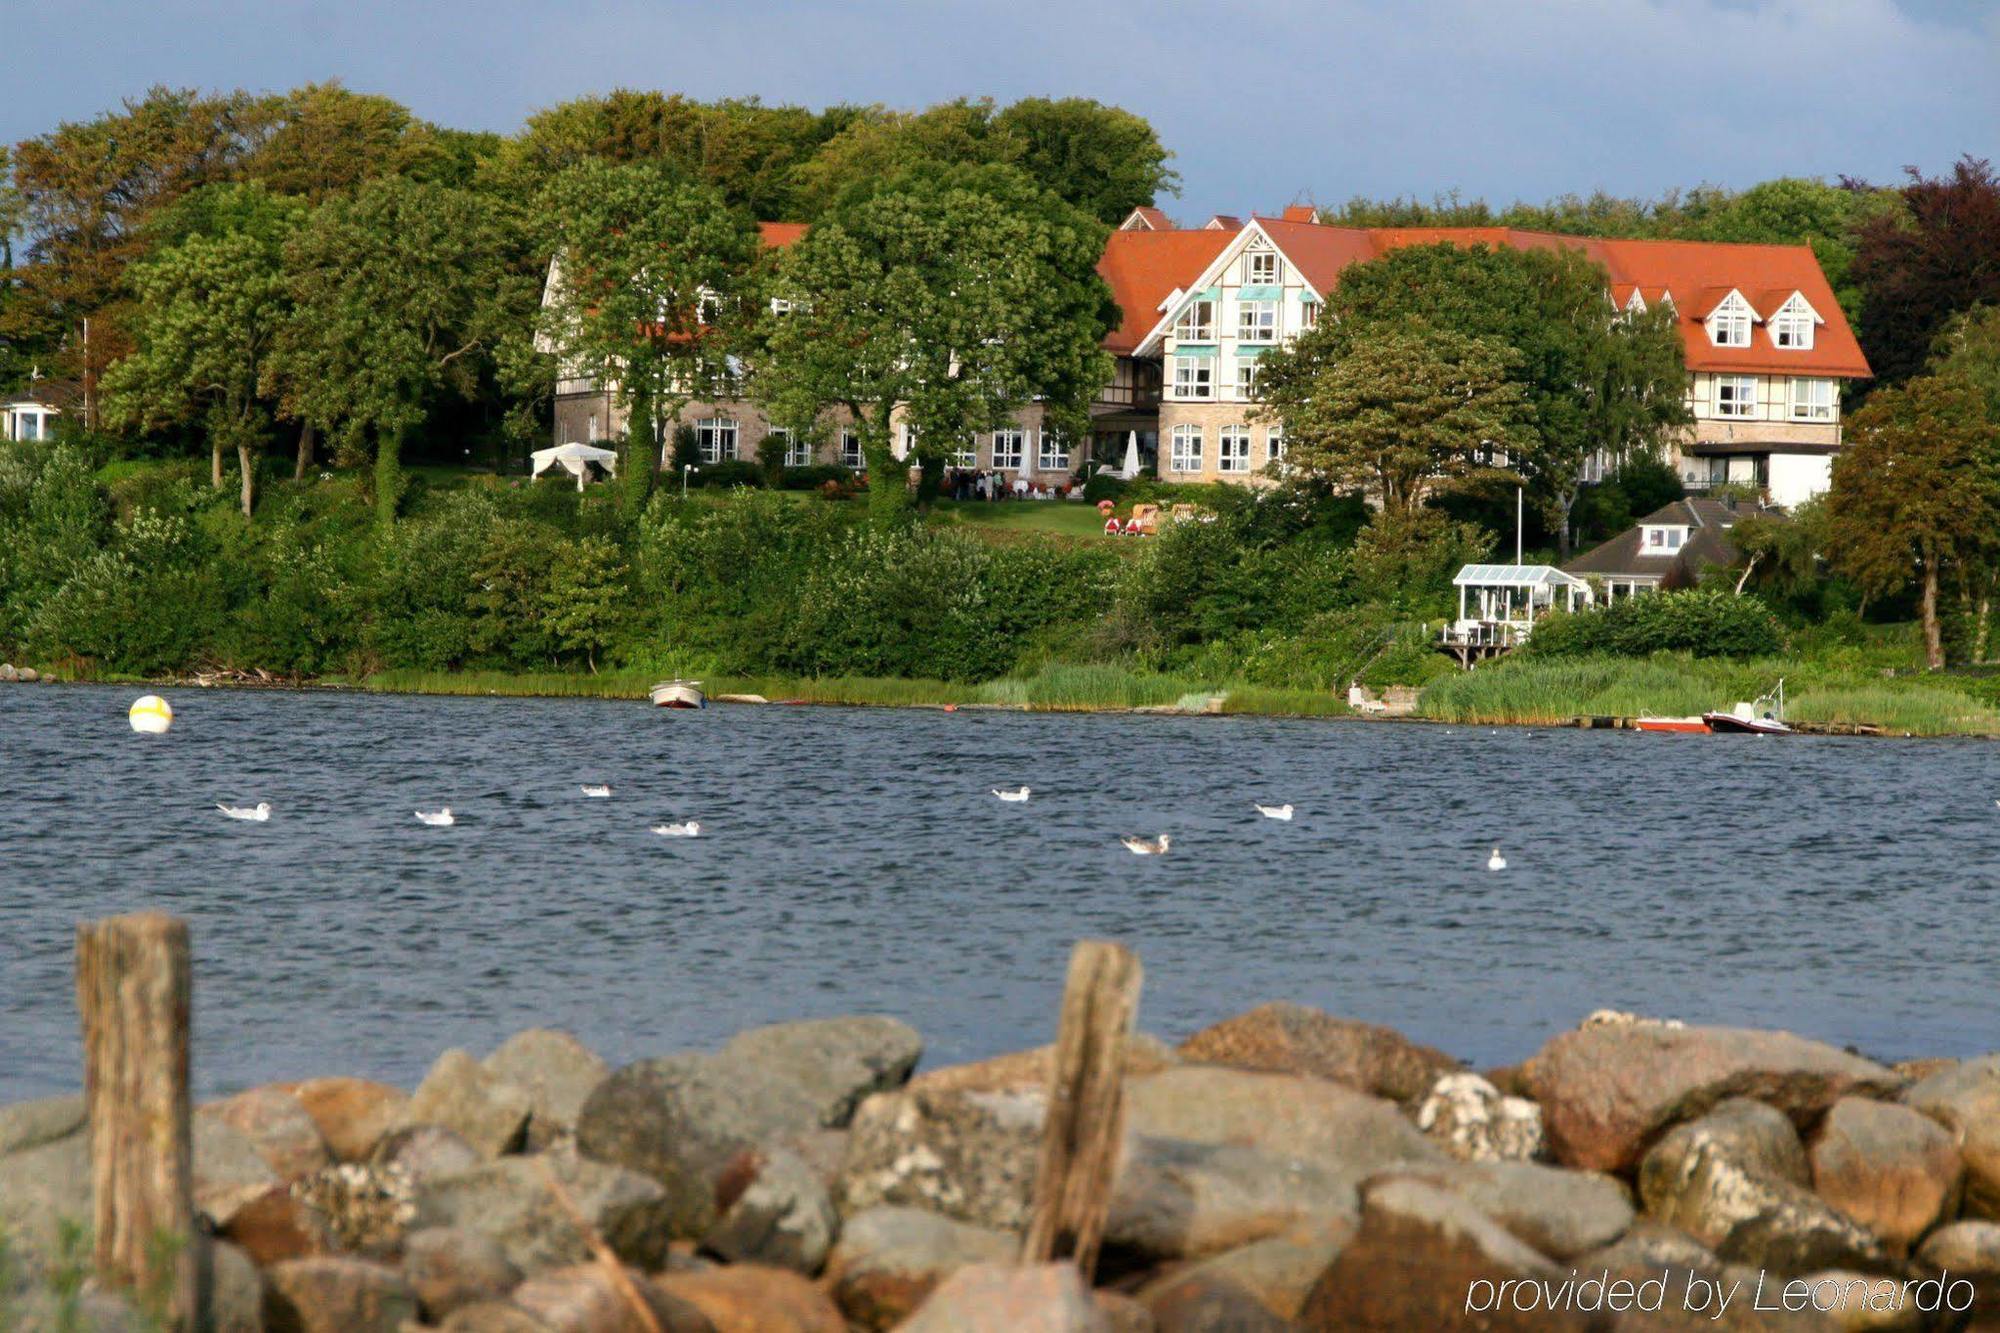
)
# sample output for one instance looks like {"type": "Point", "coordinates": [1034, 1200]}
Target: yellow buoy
{"type": "Point", "coordinates": [151, 715]}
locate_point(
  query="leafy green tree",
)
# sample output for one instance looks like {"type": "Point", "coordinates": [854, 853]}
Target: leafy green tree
{"type": "Point", "coordinates": [398, 293]}
{"type": "Point", "coordinates": [210, 310]}
{"type": "Point", "coordinates": [1916, 493]}
{"type": "Point", "coordinates": [1919, 266]}
{"type": "Point", "coordinates": [952, 297]}
{"type": "Point", "coordinates": [1102, 159]}
{"type": "Point", "coordinates": [320, 140]}
{"type": "Point", "coordinates": [1969, 347]}
{"type": "Point", "coordinates": [584, 597]}
{"type": "Point", "coordinates": [1404, 411]}
{"type": "Point", "coordinates": [649, 268]}
{"type": "Point", "coordinates": [879, 146]}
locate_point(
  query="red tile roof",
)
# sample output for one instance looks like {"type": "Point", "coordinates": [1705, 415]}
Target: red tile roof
{"type": "Point", "coordinates": [778, 235]}
{"type": "Point", "coordinates": [1154, 218]}
{"type": "Point", "coordinates": [1144, 267]}
{"type": "Point", "coordinates": [1301, 213]}
{"type": "Point", "coordinates": [1224, 222]}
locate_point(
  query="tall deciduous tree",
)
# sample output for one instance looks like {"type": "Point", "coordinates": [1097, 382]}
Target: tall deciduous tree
{"type": "Point", "coordinates": [1103, 159]}
{"type": "Point", "coordinates": [646, 288]}
{"type": "Point", "coordinates": [1916, 493]}
{"type": "Point", "coordinates": [210, 308]}
{"type": "Point", "coordinates": [957, 295]}
{"type": "Point", "coordinates": [1918, 267]}
{"type": "Point", "coordinates": [1969, 347]}
{"type": "Point", "coordinates": [1403, 411]}
{"type": "Point", "coordinates": [398, 293]}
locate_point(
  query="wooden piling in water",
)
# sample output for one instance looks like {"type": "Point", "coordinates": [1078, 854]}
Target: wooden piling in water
{"type": "Point", "coordinates": [133, 986]}
{"type": "Point", "coordinates": [1086, 1116]}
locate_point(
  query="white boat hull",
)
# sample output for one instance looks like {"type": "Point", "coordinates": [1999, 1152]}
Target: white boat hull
{"type": "Point", "coordinates": [678, 694]}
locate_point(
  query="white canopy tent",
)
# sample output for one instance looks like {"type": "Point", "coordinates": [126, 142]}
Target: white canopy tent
{"type": "Point", "coordinates": [575, 459]}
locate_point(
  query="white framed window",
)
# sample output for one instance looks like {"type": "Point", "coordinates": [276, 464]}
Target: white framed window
{"type": "Point", "coordinates": [1262, 268]}
{"type": "Point", "coordinates": [1729, 323]}
{"type": "Point", "coordinates": [1194, 377]}
{"type": "Point", "coordinates": [1274, 444]}
{"type": "Point", "coordinates": [1185, 455]}
{"type": "Point", "coordinates": [1257, 321]}
{"type": "Point", "coordinates": [1009, 446]}
{"type": "Point", "coordinates": [780, 306]}
{"type": "Point", "coordinates": [1735, 395]}
{"type": "Point", "coordinates": [967, 453]}
{"type": "Point", "coordinates": [708, 308]}
{"type": "Point", "coordinates": [1812, 400]}
{"type": "Point", "coordinates": [1246, 378]}
{"type": "Point", "coordinates": [798, 449]}
{"type": "Point", "coordinates": [907, 434]}
{"type": "Point", "coordinates": [1232, 449]}
{"type": "Point", "coordinates": [1197, 322]}
{"type": "Point", "coordinates": [716, 437]}
{"type": "Point", "coordinates": [1667, 540]}
{"type": "Point", "coordinates": [850, 448]}
{"type": "Point", "coordinates": [1309, 315]}
{"type": "Point", "coordinates": [1054, 453]}
{"type": "Point", "coordinates": [1792, 328]}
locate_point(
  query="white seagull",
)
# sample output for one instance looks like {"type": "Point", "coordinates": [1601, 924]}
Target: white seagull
{"type": "Point", "coordinates": [595, 789]}
{"type": "Point", "coordinates": [1018, 794]}
{"type": "Point", "coordinates": [1496, 861]}
{"type": "Point", "coordinates": [1147, 846]}
{"type": "Point", "coordinates": [256, 814]}
{"type": "Point", "coordinates": [436, 818]}
{"type": "Point", "coordinates": [1275, 811]}
{"type": "Point", "coordinates": [691, 829]}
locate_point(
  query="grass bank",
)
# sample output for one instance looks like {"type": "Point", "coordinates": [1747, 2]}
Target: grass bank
{"type": "Point", "coordinates": [1529, 690]}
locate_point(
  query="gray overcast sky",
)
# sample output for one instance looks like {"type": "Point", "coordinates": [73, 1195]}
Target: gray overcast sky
{"type": "Point", "coordinates": [1260, 103]}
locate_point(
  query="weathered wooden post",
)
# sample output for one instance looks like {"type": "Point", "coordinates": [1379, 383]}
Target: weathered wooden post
{"type": "Point", "coordinates": [132, 988]}
{"type": "Point", "coordinates": [1086, 1117]}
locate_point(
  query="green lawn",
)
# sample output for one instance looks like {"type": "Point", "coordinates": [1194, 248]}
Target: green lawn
{"type": "Point", "coordinates": [1068, 518]}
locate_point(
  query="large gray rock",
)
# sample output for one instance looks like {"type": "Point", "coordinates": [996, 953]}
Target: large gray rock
{"type": "Point", "coordinates": [26, 1125]}
{"type": "Point", "coordinates": [584, 1300]}
{"type": "Point", "coordinates": [1282, 1038]}
{"type": "Point", "coordinates": [1178, 1200]}
{"type": "Point", "coordinates": [492, 1317]}
{"type": "Point", "coordinates": [558, 1073]}
{"type": "Point", "coordinates": [43, 1311]}
{"type": "Point", "coordinates": [235, 1289]}
{"type": "Point", "coordinates": [1698, 1290]}
{"type": "Point", "coordinates": [423, 1151]}
{"type": "Point", "coordinates": [753, 1298]}
{"type": "Point", "coordinates": [44, 1196]}
{"type": "Point", "coordinates": [1424, 1258]}
{"type": "Point", "coordinates": [277, 1125]}
{"type": "Point", "coordinates": [1965, 1099]}
{"type": "Point", "coordinates": [451, 1267]}
{"type": "Point", "coordinates": [1207, 1302]}
{"type": "Point", "coordinates": [1890, 1168]}
{"type": "Point", "coordinates": [1969, 1250]}
{"type": "Point", "coordinates": [1560, 1213]}
{"type": "Point", "coordinates": [889, 1259]}
{"type": "Point", "coordinates": [684, 1119]}
{"type": "Point", "coordinates": [1002, 1298]}
{"type": "Point", "coordinates": [337, 1295]}
{"type": "Point", "coordinates": [1284, 1114]}
{"type": "Point", "coordinates": [966, 1155]}
{"type": "Point", "coordinates": [784, 1216]}
{"type": "Point", "coordinates": [835, 1061]}
{"type": "Point", "coordinates": [459, 1094]}
{"type": "Point", "coordinates": [1279, 1271]}
{"type": "Point", "coordinates": [229, 1171]}
{"type": "Point", "coordinates": [510, 1201]}
{"type": "Point", "coordinates": [1607, 1090]}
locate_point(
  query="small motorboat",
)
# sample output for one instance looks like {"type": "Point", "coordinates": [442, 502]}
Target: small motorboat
{"type": "Point", "coordinates": [1764, 716]}
{"type": "Point", "coordinates": [1681, 724]}
{"type": "Point", "coordinates": [678, 694]}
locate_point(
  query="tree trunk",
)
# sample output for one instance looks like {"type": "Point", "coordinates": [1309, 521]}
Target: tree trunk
{"type": "Point", "coordinates": [388, 476]}
{"type": "Point", "coordinates": [246, 463]}
{"type": "Point", "coordinates": [133, 983]}
{"type": "Point", "coordinates": [888, 484]}
{"type": "Point", "coordinates": [305, 462]}
{"type": "Point", "coordinates": [1933, 641]}
{"type": "Point", "coordinates": [1982, 635]}
{"type": "Point", "coordinates": [215, 460]}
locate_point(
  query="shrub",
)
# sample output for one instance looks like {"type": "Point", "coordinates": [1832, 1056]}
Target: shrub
{"type": "Point", "coordinates": [816, 476]}
{"type": "Point", "coordinates": [911, 602]}
{"type": "Point", "coordinates": [1705, 623]}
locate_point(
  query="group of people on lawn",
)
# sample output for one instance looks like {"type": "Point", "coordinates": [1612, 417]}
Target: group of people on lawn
{"type": "Point", "coordinates": [964, 483]}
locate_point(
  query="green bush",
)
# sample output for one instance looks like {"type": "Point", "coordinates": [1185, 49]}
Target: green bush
{"type": "Point", "coordinates": [911, 602]}
{"type": "Point", "coordinates": [1705, 623]}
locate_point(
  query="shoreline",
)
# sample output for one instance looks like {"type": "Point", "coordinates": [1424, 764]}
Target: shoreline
{"type": "Point", "coordinates": [1188, 699]}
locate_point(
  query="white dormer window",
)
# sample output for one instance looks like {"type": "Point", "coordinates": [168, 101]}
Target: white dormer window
{"type": "Point", "coordinates": [1635, 304]}
{"type": "Point", "coordinates": [1197, 322]}
{"type": "Point", "coordinates": [1664, 540]}
{"type": "Point", "coordinates": [1729, 323]}
{"type": "Point", "coordinates": [1261, 268]}
{"type": "Point", "coordinates": [1792, 326]}
{"type": "Point", "coordinates": [780, 306]}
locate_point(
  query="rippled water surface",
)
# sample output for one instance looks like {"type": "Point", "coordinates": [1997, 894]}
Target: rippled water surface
{"type": "Point", "coordinates": [852, 860]}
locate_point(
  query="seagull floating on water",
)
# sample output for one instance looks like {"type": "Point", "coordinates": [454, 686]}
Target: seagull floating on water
{"type": "Point", "coordinates": [595, 789]}
{"type": "Point", "coordinates": [1018, 794]}
{"type": "Point", "coordinates": [691, 829]}
{"type": "Point", "coordinates": [1496, 861]}
{"type": "Point", "coordinates": [437, 818]}
{"type": "Point", "coordinates": [1275, 811]}
{"type": "Point", "coordinates": [256, 814]}
{"type": "Point", "coordinates": [1147, 846]}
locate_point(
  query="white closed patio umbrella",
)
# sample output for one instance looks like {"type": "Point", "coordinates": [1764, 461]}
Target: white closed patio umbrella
{"type": "Point", "coordinates": [574, 459]}
{"type": "Point", "coordinates": [1131, 468]}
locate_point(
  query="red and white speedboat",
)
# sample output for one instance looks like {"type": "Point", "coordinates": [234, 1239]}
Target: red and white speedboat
{"type": "Point", "coordinates": [1764, 717]}
{"type": "Point", "coordinates": [1681, 724]}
